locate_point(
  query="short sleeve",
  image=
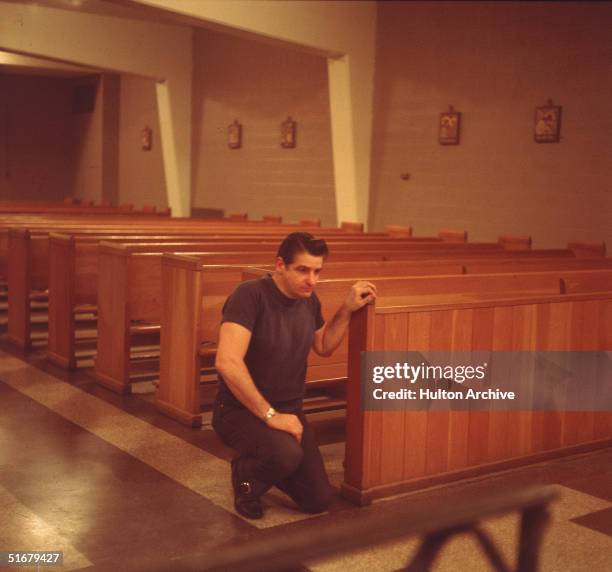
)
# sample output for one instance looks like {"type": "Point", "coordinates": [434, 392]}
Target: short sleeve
{"type": "Point", "coordinates": [241, 306]}
{"type": "Point", "coordinates": [319, 321]}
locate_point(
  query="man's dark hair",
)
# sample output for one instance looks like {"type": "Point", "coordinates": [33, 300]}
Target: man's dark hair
{"type": "Point", "coordinates": [297, 242]}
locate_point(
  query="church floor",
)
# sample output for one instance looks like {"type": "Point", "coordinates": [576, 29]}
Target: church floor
{"type": "Point", "coordinates": [115, 485]}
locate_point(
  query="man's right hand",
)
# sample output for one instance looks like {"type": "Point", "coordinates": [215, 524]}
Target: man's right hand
{"type": "Point", "coordinates": [288, 423]}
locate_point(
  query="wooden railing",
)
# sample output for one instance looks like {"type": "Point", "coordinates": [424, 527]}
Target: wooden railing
{"type": "Point", "coordinates": [436, 525]}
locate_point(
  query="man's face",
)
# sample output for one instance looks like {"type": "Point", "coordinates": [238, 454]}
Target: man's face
{"type": "Point", "coordinates": [298, 279]}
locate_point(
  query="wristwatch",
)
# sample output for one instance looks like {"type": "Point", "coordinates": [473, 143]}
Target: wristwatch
{"type": "Point", "coordinates": [269, 414]}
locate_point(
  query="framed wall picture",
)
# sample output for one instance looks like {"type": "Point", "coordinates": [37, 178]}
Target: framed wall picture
{"type": "Point", "coordinates": [234, 135]}
{"type": "Point", "coordinates": [146, 138]}
{"type": "Point", "coordinates": [547, 126]}
{"type": "Point", "coordinates": [448, 129]}
{"type": "Point", "coordinates": [288, 133]}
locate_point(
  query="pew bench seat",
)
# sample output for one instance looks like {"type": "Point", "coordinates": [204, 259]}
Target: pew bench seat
{"type": "Point", "coordinates": [208, 353]}
{"type": "Point", "coordinates": [140, 327]}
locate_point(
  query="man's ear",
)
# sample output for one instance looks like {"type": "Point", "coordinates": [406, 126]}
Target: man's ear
{"type": "Point", "coordinates": [279, 264]}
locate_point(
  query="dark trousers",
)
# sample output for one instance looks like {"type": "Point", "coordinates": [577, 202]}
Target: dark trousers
{"type": "Point", "coordinates": [268, 457]}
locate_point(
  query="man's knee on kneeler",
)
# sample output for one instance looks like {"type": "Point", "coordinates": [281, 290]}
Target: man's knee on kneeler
{"type": "Point", "coordinates": [285, 460]}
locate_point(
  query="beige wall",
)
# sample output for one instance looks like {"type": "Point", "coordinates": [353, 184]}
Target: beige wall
{"type": "Point", "coordinates": [495, 62]}
{"type": "Point", "coordinates": [47, 152]}
{"type": "Point", "coordinates": [84, 165]}
{"type": "Point", "coordinates": [118, 45]}
{"type": "Point", "coordinates": [35, 137]}
{"type": "Point", "coordinates": [342, 30]}
{"type": "Point", "coordinates": [260, 85]}
{"type": "Point", "coordinates": [141, 173]}
{"type": "Point", "coordinates": [94, 142]}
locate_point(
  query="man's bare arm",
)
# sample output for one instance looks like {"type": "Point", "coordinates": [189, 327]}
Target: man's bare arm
{"type": "Point", "coordinates": [234, 341]}
{"type": "Point", "coordinates": [329, 337]}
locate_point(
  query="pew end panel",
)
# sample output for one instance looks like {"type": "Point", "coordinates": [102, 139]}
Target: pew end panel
{"type": "Point", "coordinates": [60, 350]}
{"type": "Point", "coordinates": [396, 451]}
{"type": "Point", "coordinates": [398, 230]}
{"type": "Point", "coordinates": [113, 348]}
{"type": "Point", "coordinates": [189, 333]}
{"type": "Point", "coordinates": [178, 394]}
{"type": "Point", "coordinates": [19, 288]}
{"type": "Point", "coordinates": [4, 249]}
{"type": "Point", "coordinates": [73, 283]}
{"type": "Point", "coordinates": [358, 421]}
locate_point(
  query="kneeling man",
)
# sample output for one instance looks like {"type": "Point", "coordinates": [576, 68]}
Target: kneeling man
{"type": "Point", "coordinates": [268, 327]}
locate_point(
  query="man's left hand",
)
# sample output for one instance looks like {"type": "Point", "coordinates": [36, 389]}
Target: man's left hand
{"type": "Point", "coordinates": [361, 293]}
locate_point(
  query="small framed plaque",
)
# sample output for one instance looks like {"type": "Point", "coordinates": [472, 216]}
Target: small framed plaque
{"type": "Point", "coordinates": [234, 135]}
{"type": "Point", "coordinates": [448, 130]}
{"type": "Point", "coordinates": [288, 133]}
{"type": "Point", "coordinates": [146, 138]}
{"type": "Point", "coordinates": [547, 126]}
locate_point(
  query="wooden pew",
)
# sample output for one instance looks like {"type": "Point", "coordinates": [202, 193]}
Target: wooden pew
{"type": "Point", "coordinates": [453, 235]}
{"type": "Point", "coordinates": [37, 267]}
{"type": "Point", "coordinates": [30, 229]}
{"type": "Point", "coordinates": [114, 225]}
{"type": "Point", "coordinates": [133, 303]}
{"type": "Point", "coordinates": [462, 265]}
{"type": "Point", "coordinates": [479, 264]}
{"type": "Point", "coordinates": [73, 281]}
{"type": "Point", "coordinates": [534, 263]}
{"type": "Point", "coordinates": [310, 222]}
{"type": "Point", "coordinates": [112, 221]}
{"type": "Point", "coordinates": [191, 316]}
{"type": "Point", "coordinates": [29, 270]}
{"type": "Point", "coordinates": [594, 281]}
{"type": "Point", "coordinates": [515, 242]}
{"type": "Point", "coordinates": [398, 230]}
{"type": "Point", "coordinates": [352, 226]}
{"type": "Point", "coordinates": [28, 253]}
{"type": "Point", "coordinates": [586, 248]}
{"type": "Point", "coordinates": [78, 209]}
{"type": "Point", "coordinates": [441, 254]}
{"type": "Point", "coordinates": [395, 451]}
{"type": "Point", "coordinates": [129, 299]}
{"type": "Point", "coordinates": [73, 274]}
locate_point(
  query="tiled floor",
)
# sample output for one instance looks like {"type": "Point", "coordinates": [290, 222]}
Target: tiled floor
{"type": "Point", "coordinates": [115, 486]}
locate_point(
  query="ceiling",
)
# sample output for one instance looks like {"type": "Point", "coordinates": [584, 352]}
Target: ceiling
{"type": "Point", "coordinates": [26, 65]}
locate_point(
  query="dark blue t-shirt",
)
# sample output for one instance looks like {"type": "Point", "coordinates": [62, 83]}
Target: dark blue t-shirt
{"type": "Point", "coordinates": [282, 331]}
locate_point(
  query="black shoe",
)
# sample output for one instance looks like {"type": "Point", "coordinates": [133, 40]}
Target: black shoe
{"type": "Point", "coordinates": [245, 502]}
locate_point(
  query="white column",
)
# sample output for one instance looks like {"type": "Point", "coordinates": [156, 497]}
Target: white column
{"type": "Point", "coordinates": [174, 110]}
